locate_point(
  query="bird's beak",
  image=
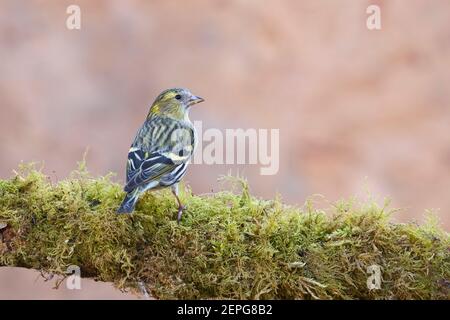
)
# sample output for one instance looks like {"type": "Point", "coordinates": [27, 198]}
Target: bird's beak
{"type": "Point", "coordinates": [195, 100]}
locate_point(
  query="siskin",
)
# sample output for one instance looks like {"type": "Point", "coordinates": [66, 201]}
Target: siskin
{"type": "Point", "coordinates": [162, 148]}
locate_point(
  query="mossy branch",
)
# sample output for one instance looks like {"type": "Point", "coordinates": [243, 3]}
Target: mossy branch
{"type": "Point", "coordinates": [229, 245]}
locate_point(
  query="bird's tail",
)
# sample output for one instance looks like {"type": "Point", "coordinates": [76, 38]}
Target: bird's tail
{"type": "Point", "coordinates": [129, 202]}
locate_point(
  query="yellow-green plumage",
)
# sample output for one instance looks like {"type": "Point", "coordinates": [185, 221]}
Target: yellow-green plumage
{"type": "Point", "coordinates": [162, 148]}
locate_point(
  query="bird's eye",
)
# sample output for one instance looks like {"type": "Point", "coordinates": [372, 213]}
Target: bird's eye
{"type": "Point", "coordinates": [178, 97]}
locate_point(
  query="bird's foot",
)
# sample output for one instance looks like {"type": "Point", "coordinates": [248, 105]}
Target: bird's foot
{"type": "Point", "coordinates": [180, 213]}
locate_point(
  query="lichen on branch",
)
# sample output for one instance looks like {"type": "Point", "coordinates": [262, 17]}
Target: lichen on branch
{"type": "Point", "coordinates": [228, 245]}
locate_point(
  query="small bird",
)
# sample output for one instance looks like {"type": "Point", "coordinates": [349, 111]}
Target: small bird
{"type": "Point", "coordinates": [162, 148]}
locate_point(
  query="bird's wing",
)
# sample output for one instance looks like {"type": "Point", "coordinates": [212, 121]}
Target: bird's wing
{"type": "Point", "coordinates": [144, 167]}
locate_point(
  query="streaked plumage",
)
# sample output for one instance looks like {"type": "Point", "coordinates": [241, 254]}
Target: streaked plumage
{"type": "Point", "coordinates": [162, 148]}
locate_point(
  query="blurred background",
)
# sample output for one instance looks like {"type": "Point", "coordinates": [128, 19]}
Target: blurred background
{"type": "Point", "coordinates": [357, 109]}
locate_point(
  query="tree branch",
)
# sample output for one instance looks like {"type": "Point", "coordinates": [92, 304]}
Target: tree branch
{"type": "Point", "coordinates": [228, 245]}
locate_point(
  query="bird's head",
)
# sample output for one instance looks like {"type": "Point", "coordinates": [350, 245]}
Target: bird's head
{"type": "Point", "coordinates": [174, 103]}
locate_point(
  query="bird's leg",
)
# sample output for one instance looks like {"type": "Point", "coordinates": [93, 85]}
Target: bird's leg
{"type": "Point", "coordinates": [180, 206]}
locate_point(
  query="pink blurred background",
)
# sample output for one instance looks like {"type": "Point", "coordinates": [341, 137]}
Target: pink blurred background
{"type": "Point", "coordinates": [357, 109]}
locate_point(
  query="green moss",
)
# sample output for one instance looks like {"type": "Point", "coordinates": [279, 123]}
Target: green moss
{"type": "Point", "coordinates": [229, 244]}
